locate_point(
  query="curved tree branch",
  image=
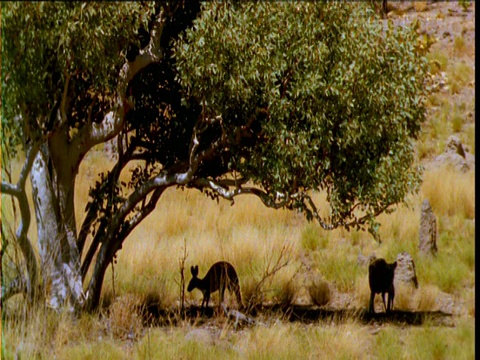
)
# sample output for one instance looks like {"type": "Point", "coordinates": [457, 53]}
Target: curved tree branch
{"type": "Point", "coordinates": [97, 133]}
{"type": "Point", "coordinates": [19, 192]}
{"type": "Point", "coordinates": [112, 178]}
{"type": "Point", "coordinates": [228, 190]}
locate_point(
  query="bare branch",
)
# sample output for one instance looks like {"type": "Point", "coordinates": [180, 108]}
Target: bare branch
{"type": "Point", "coordinates": [27, 166]}
{"type": "Point", "coordinates": [91, 214]}
{"type": "Point", "coordinates": [9, 189]}
{"type": "Point", "coordinates": [200, 127]}
{"type": "Point", "coordinates": [152, 53]}
{"type": "Point", "coordinates": [356, 221]}
{"type": "Point", "coordinates": [223, 191]}
{"type": "Point", "coordinates": [317, 217]}
{"type": "Point", "coordinates": [140, 216]}
{"type": "Point", "coordinates": [19, 192]}
{"type": "Point", "coordinates": [281, 262]}
{"type": "Point", "coordinates": [232, 182]}
{"type": "Point", "coordinates": [228, 189]}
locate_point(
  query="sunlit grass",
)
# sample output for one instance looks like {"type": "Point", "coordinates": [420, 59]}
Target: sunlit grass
{"type": "Point", "coordinates": [441, 343]}
{"type": "Point", "coordinates": [438, 60]}
{"type": "Point", "coordinates": [252, 237]}
{"type": "Point", "coordinates": [149, 263]}
{"type": "Point", "coordinates": [459, 45]}
{"type": "Point", "coordinates": [450, 193]}
{"type": "Point", "coordinates": [460, 74]}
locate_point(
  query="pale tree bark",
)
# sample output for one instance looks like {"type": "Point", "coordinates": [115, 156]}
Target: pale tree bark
{"type": "Point", "coordinates": [59, 260]}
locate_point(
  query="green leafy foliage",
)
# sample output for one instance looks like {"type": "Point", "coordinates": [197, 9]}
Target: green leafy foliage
{"type": "Point", "coordinates": [51, 49]}
{"type": "Point", "coordinates": [331, 96]}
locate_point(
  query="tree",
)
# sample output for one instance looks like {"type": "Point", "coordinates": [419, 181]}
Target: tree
{"type": "Point", "coordinates": [274, 99]}
{"type": "Point", "coordinates": [321, 96]}
{"type": "Point", "coordinates": [63, 92]}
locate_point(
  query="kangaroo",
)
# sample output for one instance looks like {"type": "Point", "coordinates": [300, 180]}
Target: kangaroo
{"type": "Point", "coordinates": [220, 276]}
{"type": "Point", "coordinates": [380, 278]}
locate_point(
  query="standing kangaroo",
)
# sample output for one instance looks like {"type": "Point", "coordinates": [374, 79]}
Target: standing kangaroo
{"type": "Point", "coordinates": [380, 278]}
{"type": "Point", "coordinates": [220, 276]}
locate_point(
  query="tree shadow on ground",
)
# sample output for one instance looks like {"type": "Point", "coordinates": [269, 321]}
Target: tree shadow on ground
{"type": "Point", "coordinates": [306, 314]}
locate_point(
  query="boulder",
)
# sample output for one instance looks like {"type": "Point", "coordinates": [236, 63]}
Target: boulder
{"type": "Point", "coordinates": [427, 242]}
{"type": "Point", "coordinates": [405, 270]}
{"type": "Point", "coordinates": [456, 155]}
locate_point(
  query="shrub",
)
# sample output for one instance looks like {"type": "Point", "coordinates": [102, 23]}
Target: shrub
{"type": "Point", "coordinates": [319, 291]}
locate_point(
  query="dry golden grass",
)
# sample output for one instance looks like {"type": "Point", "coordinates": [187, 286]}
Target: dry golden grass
{"type": "Point", "coordinates": [252, 237]}
{"type": "Point", "coordinates": [459, 45]}
{"type": "Point", "coordinates": [425, 298]}
{"type": "Point", "coordinates": [450, 193]}
{"type": "Point", "coordinates": [125, 317]}
{"type": "Point", "coordinates": [460, 74]}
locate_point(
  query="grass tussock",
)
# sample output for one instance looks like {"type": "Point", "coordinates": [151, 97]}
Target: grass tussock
{"type": "Point", "coordinates": [459, 45]}
{"type": "Point", "coordinates": [444, 343]}
{"type": "Point", "coordinates": [341, 273]}
{"type": "Point", "coordinates": [108, 349]}
{"type": "Point", "coordinates": [438, 60]}
{"type": "Point", "coordinates": [125, 317]}
{"type": "Point", "coordinates": [37, 332]}
{"type": "Point", "coordinates": [460, 74]}
{"type": "Point", "coordinates": [425, 298]}
{"type": "Point", "coordinates": [320, 292]}
{"type": "Point", "coordinates": [420, 6]}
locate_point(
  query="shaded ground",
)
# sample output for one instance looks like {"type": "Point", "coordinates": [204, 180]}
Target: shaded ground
{"type": "Point", "coordinates": [304, 314]}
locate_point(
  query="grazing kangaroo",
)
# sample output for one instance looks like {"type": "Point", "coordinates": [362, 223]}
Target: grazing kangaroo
{"type": "Point", "coordinates": [220, 276]}
{"type": "Point", "coordinates": [380, 278]}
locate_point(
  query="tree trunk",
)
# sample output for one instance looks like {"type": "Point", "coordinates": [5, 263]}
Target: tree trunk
{"type": "Point", "coordinates": [59, 257]}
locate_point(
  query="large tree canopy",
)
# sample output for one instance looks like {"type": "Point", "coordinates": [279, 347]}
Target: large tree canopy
{"type": "Point", "coordinates": [275, 99]}
{"type": "Point", "coordinates": [330, 96]}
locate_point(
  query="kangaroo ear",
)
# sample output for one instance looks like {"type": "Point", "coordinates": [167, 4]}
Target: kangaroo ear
{"type": "Point", "coordinates": [394, 265]}
{"type": "Point", "coordinates": [194, 270]}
